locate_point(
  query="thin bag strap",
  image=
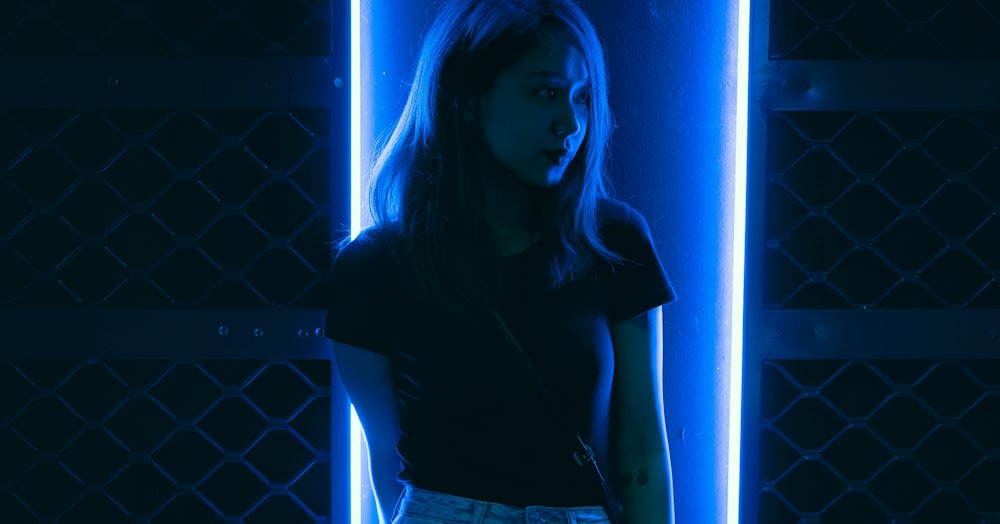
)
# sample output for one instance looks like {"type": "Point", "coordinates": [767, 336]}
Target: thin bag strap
{"type": "Point", "coordinates": [583, 453]}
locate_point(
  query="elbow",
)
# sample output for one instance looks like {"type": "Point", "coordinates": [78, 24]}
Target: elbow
{"type": "Point", "coordinates": [635, 443]}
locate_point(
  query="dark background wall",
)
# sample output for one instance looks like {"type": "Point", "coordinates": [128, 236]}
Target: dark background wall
{"type": "Point", "coordinates": [872, 383]}
{"type": "Point", "coordinates": [165, 204]}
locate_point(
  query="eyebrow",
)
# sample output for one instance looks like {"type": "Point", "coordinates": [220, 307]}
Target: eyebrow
{"type": "Point", "coordinates": [545, 73]}
{"type": "Point", "coordinates": [542, 72]}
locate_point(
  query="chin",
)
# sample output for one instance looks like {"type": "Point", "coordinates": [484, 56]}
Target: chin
{"type": "Point", "coordinates": [554, 179]}
{"type": "Point", "coordinates": [553, 176]}
{"type": "Point", "coordinates": [543, 181]}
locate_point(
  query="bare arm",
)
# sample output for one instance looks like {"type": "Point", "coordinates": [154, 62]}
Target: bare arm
{"type": "Point", "coordinates": [643, 475]}
{"type": "Point", "coordinates": [367, 376]}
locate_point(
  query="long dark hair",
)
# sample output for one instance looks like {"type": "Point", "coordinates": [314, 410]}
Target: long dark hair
{"type": "Point", "coordinates": [425, 195]}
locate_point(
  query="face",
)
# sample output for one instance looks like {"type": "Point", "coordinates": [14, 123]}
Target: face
{"type": "Point", "coordinates": [534, 119]}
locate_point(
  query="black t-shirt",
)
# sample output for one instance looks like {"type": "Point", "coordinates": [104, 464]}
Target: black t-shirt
{"type": "Point", "coordinates": [473, 423]}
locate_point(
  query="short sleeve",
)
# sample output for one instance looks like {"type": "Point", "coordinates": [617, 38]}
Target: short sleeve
{"type": "Point", "coordinates": [639, 283]}
{"type": "Point", "coordinates": [360, 283]}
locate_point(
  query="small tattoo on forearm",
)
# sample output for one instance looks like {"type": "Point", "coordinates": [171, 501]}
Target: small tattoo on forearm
{"type": "Point", "coordinates": [627, 479]}
{"type": "Point", "coordinates": [643, 476]}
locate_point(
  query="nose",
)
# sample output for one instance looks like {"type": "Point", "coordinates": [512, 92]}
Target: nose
{"type": "Point", "coordinates": [568, 120]}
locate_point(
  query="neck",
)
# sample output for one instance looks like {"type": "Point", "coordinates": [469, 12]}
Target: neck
{"type": "Point", "coordinates": [509, 210]}
{"type": "Point", "coordinates": [508, 204]}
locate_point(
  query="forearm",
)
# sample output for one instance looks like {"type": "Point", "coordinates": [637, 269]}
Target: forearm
{"type": "Point", "coordinates": [645, 485]}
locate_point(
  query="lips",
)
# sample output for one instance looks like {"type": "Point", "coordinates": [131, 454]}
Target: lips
{"type": "Point", "coordinates": [558, 156]}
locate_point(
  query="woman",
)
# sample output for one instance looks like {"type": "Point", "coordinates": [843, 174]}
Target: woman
{"type": "Point", "coordinates": [491, 214]}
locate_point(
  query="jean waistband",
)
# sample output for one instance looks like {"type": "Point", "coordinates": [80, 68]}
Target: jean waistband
{"type": "Point", "coordinates": [431, 504]}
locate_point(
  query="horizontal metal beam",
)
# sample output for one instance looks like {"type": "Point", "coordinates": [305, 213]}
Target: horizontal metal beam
{"type": "Point", "coordinates": [890, 334]}
{"type": "Point", "coordinates": [162, 334]}
{"type": "Point", "coordinates": [173, 82]}
{"type": "Point", "coordinates": [841, 85]}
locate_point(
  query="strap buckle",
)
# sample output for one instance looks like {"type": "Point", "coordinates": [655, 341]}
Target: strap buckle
{"type": "Point", "coordinates": [584, 457]}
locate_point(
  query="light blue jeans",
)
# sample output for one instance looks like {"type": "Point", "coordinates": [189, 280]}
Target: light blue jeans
{"type": "Point", "coordinates": [419, 506]}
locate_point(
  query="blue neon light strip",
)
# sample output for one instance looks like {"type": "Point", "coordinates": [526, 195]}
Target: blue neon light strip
{"type": "Point", "coordinates": [738, 254]}
{"type": "Point", "coordinates": [355, 87]}
{"type": "Point", "coordinates": [355, 117]}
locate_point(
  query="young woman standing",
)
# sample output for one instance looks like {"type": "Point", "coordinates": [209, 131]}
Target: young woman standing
{"type": "Point", "coordinates": [492, 219]}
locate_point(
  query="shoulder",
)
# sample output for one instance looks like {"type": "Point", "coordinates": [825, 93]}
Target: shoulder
{"type": "Point", "coordinates": [615, 213]}
{"type": "Point", "coordinates": [619, 220]}
{"type": "Point", "coordinates": [371, 245]}
{"type": "Point", "coordinates": [637, 282]}
{"type": "Point", "coordinates": [368, 256]}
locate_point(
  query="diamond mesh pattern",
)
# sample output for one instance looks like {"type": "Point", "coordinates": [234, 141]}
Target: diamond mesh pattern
{"type": "Point", "coordinates": [879, 441]}
{"type": "Point", "coordinates": [165, 28]}
{"type": "Point", "coordinates": [866, 208]}
{"type": "Point", "coordinates": [208, 441]}
{"type": "Point", "coordinates": [155, 207]}
{"type": "Point", "coordinates": [884, 30]}
{"type": "Point", "coordinates": [882, 210]}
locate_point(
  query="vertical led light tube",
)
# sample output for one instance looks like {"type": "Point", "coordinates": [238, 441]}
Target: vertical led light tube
{"type": "Point", "coordinates": [355, 83]}
{"type": "Point", "coordinates": [355, 117]}
{"type": "Point", "coordinates": [355, 467]}
{"type": "Point", "coordinates": [738, 256]}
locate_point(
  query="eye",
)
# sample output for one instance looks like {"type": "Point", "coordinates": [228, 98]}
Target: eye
{"type": "Point", "coordinates": [548, 92]}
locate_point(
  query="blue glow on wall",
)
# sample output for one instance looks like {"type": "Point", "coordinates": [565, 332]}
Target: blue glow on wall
{"type": "Point", "coordinates": [738, 260]}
